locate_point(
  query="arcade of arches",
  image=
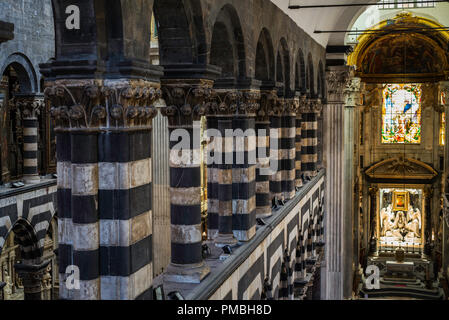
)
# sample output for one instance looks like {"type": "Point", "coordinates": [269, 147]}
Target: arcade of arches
{"type": "Point", "coordinates": [92, 187]}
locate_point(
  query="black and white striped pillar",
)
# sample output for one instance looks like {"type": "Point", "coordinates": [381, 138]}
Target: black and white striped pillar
{"type": "Point", "coordinates": [288, 150]}
{"type": "Point", "coordinates": [263, 196]}
{"type": "Point", "coordinates": [212, 180]}
{"type": "Point", "coordinates": [104, 188]}
{"type": "Point", "coordinates": [244, 171]}
{"type": "Point", "coordinates": [185, 107]}
{"type": "Point", "coordinates": [225, 185]}
{"type": "Point", "coordinates": [275, 151]}
{"type": "Point", "coordinates": [30, 106]}
{"type": "Point", "coordinates": [298, 143]}
{"type": "Point", "coordinates": [310, 138]}
{"type": "Point", "coordinates": [84, 208]}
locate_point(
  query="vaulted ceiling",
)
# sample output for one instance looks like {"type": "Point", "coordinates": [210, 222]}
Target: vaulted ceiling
{"type": "Point", "coordinates": [340, 18]}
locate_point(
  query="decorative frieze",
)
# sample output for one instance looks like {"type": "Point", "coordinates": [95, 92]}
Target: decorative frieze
{"type": "Point", "coordinates": [110, 104]}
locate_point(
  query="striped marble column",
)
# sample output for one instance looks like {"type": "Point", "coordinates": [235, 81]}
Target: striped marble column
{"type": "Point", "coordinates": [30, 106]}
{"type": "Point", "coordinates": [212, 180]}
{"type": "Point", "coordinates": [263, 197]}
{"type": "Point", "coordinates": [244, 174]}
{"type": "Point", "coordinates": [125, 210]}
{"type": "Point", "coordinates": [298, 142]}
{"type": "Point", "coordinates": [225, 185]}
{"type": "Point", "coordinates": [104, 188]}
{"type": "Point", "coordinates": [288, 150]}
{"type": "Point", "coordinates": [275, 151]}
{"type": "Point", "coordinates": [309, 157]}
{"type": "Point", "coordinates": [185, 107]}
{"type": "Point", "coordinates": [84, 210]}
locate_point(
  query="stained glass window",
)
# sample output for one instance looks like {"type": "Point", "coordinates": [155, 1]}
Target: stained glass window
{"type": "Point", "coordinates": [401, 114]}
{"type": "Point", "coordinates": [442, 129]}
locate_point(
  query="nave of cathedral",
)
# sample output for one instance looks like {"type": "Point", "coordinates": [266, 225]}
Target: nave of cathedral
{"type": "Point", "coordinates": [224, 150]}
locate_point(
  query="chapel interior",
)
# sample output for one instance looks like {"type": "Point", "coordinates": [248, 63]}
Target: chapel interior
{"type": "Point", "coordinates": [348, 101]}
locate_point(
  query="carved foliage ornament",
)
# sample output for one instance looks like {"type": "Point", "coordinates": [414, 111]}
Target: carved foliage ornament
{"type": "Point", "coordinates": [267, 102]}
{"type": "Point", "coordinates": [93, 106]}
{"type": "Point", "coordinates": [186, 104]}
{"type": "Point", "coordinates": [337, 80]}
{"type": "Point", "coordinates": [29, 106]}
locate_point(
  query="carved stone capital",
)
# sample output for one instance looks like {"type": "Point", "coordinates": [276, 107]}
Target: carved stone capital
{"type": "Point", "coordinates": [292, 106]}
{"type": "Point", "coordinates": [278, 108]}
{"type": "Point", "coordinates": [353, 93]}
{"type": "Point", "coordinates": [303, 105]}
{"type": "Point", "coordinates": [187, 101]}
{"type": "Point", "coordinates": [250, 102]}
{"type": "Point", "coordinates": [337, 81]}
{"type": "Point", "coordinates": [106, 104]}
{"type": "Point", "coordinates": [315, 105]}
{"type": "Point", "coordinates": [29, 106]}
{"type": "Point", "coordinates": [268, 101]}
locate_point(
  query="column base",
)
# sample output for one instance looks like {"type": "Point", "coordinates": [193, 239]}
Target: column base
{"type": "Point", "coordinates": [212, 234]}
{"type": "Point", "coordinates": [186, 273]}
{"type": "Point", "coordinates": [225, 240]}
{"type": "Point", "coordinates": [289, 195]}
{"type": "Point", "coordinates": [31, 179]}
{"type": "Point", "coordinates": [264, 212]}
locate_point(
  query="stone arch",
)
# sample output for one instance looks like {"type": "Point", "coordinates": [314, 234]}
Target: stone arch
{"type": "Point", "coordinates": [181, 32]}
{"type": "Point", "coordinates": [265, 57]}
{"type": "Point", "coordinates": [25, 71]}
{"type": "Point", "coordinates": [283, 66]}
{"type": "Point", "coordinates": [227, 44]}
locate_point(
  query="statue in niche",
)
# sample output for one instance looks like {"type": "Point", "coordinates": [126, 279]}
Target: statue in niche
{"type": "Point", "coordinates": [414, 223]}
{"type": "Point", "coordinates": [401, 219]}
{"type": "Point", "coordinates": [399, 225]}
{"type": "Point", "coordinates": [386, 216]}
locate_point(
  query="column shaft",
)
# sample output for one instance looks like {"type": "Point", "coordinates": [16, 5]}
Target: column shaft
{"type": "Point", "coordinates": [185, 185]}
{"type": "Point", "coordinates": [212, 183]}
{"type": "Point", "coordinates": [225, 186]}
{"type": "Point", "coordinates": [125, 211]}
{"type": "Point", "coordinates": [85, 253]}
{"type": "Point", "coordinates": [288, 156]}
{"type": "Point", "coordinates": [263, 199]}
{"type": "Point", "coordinates": [275, 143]}
{"type": "Point", "coordinates": [309, 151]}
{"type": "Point", "coordinates": [244, 178]}
{"type": "Point", "coordinates": [30, 149]}
{"type": "Point", "coordinates": [298, 145]}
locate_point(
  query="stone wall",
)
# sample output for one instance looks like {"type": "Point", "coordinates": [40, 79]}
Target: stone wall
{"type": "Point", "coordinates": [34, 40]}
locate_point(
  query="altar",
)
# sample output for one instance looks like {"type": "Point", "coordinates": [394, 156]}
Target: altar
{"type": "Point", "coordinates": [400, 218]}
